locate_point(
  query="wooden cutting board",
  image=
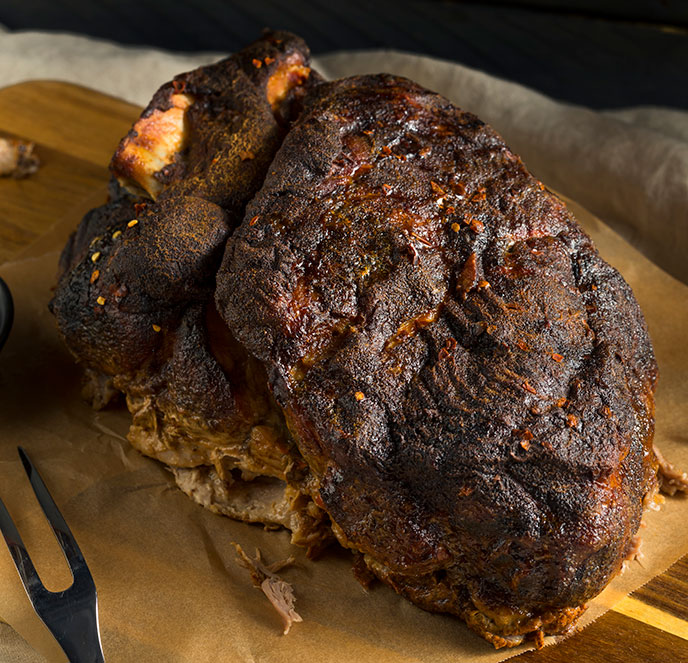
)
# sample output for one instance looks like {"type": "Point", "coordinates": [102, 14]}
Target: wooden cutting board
{"type": "Point", "coordinates": [76, 131]}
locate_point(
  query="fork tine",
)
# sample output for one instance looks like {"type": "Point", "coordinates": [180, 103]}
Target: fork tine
{"type": "Point", "coordinates": [63, 534]}
{"type": "Point", "coordinates": [71, 615]}
{"type": "Point", "coordinates": [27, 571]}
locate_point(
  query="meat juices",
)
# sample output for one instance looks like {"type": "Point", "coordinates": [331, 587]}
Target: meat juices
{"type": "Point", "coordinates": [424, 356]}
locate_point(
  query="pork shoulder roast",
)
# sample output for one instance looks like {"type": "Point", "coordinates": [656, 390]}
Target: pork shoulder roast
{"type": "Point", "coordinates": [348, 309]}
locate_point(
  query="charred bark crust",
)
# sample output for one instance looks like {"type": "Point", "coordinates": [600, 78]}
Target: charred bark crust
{"type": "Point", "coordinates": [355, 296]}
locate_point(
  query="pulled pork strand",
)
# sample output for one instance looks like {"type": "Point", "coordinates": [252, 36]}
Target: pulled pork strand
{"type": "Point", "coordinates": [671, 480]}
{"type": "Point", "coordinates": [279, 592]}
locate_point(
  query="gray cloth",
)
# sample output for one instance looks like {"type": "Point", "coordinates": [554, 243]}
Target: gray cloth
{"type": "Point", "coordinates": [629, 167]}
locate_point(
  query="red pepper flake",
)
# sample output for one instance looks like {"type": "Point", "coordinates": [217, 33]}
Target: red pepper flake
{"type": "Point", "coordinates": [179, 86]}
{"type": "Point", "coordinates": [362, 169]}
{"type": "Point", "coordinates": [465, 491]}
{"type": "Point", "coordinates": [455, 227]}
{"type": "Point", "coordinates": [542, 186]}
{"type": "Point", "coordinates": [386, 150]}
{"type": "Point", "coordinates": [368, 132]}
{"type": "Point", "coordinates": [483, 284]}
{"type": "Point", "coordinates": [572, 420]}
{"type": "Point", "coordinates": [139, 207]}
{"type": "Point", "coordinates": [526, 434]}
{"type": "Point", "coordinates": [476, 226]}
{"type": "Point", "coordinates": [268, 60]}
{"type": "Point", "coordinates": [257, 63]}
{"type": "Point", "coordinates": [401, 157]}
{"type": "Point", "coordinates": [557, 357]}
{"type": "Point", "coordinates": [459, 189]}
{"type": "Point", "coordinates": [479, 195]}
{"type": "Point", "coordinates": [246, 155]}
{"type": "Point", "coordinates": [525, 444]}
{"type": "Point", "coordinates": [94, 276]}
{"type": "Point", "coordinates": [359, 395]}
{"type": "Point", "coordinates": [387, 189]}
{"type": "Point", "coordinates": [606, 412]}
{"type": "Point", "coordinates": [254, 220]}
{"type": "Point", "coordinates": [523, 346]}
{"type": "Point", "coordinates": [424, 151]}
{"type": "Point", "coordinates": [562, 402]}
{"type": "Point", "coordinates": [437, 188]}
{"type": "Point", "coordinates": [215, 159]}
{"type": "Point", "coordinates": [451, 209]}
{"type": "Point", "coordinates": [526, 385]}
{"type": "Point", "coordinates": [465, 281]}
{"type": "Point", "coordinates": [593, 287]}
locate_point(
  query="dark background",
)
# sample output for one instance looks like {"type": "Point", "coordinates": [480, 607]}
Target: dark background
{"type": "Point", "coordinates": [604, 54]}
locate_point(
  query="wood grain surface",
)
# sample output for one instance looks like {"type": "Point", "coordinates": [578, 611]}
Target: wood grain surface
{"type": "Point", "coordinates": [75, 131]}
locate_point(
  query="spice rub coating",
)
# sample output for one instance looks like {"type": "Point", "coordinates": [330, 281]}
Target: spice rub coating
{"type": "Point", "coordinates": [469, 382]}
{"type": "Point", "coordinates": [135, 302]}
{"type": "Point", "coordinates": [212, 132]}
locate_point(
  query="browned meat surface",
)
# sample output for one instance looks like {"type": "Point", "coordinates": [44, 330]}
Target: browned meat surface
{"type": "Point", "coordinates": [135, 296]}
{"type": "Point", "coordinates": [409, 345]}
{"type": "Point", "coordinates": [470, 384]}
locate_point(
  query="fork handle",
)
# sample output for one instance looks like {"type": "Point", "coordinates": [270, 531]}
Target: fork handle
{"type": "Point", "coordinates": [80, 637]}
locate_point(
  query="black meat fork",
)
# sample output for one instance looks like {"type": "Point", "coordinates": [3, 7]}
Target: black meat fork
{"type": "Point", "coordinates": [72, 614]}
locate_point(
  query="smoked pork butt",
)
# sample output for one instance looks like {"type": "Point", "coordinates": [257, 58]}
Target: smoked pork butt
{"type": "Point", "coordinates": [346, 308]}
{"type": "Point", "coordinates": [470, 384]}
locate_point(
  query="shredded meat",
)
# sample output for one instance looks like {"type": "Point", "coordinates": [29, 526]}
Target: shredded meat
{"type": "Point", "coordinates": [671, 480]}
{"type": "Point", "coordinates": [278, 591]}
{"type": "Point", "coordinates": [17, 158]}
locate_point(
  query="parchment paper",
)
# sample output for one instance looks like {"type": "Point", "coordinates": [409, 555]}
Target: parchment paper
{"type": "Point", "coordinates": [168, 584]}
